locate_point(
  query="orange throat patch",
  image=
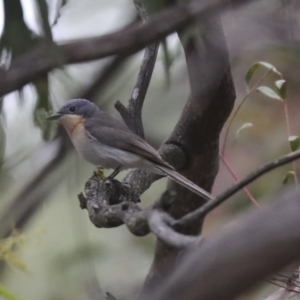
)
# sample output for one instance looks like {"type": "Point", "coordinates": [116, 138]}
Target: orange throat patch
{"type": "Point", "coordinates": [73, 124]}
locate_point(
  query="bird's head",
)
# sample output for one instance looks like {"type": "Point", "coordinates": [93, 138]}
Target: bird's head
{"type": "Point", "coordinates": [73, 114]}
{"type": "Point", "coordinates": [75, 108]}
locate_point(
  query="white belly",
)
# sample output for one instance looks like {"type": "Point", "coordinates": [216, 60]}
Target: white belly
{"type": "Point", "coordinates": [106, 156]}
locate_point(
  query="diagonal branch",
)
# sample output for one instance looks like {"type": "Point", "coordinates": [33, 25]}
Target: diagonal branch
{"type": "Point", "coordinates": [125, 42]}
{"type": "Point", "coordinates": [132, 115]}
{"type": "Point", "coordinates": [209, 206]}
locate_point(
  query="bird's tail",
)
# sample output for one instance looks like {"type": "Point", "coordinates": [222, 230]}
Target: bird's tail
{"type": "Point", "coordinates": [185, 182]}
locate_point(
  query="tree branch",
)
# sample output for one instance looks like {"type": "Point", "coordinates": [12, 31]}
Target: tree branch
{"type": "Point", "coordinates": [196, 134]}
{"type": "Point", "coordinates": [209, 206]}
{"type": "Point", "coordinates": [107, 205]}
{"type": "Point", "coordinates": [160, 225]}
{"type": "Point", "coordinates": [125, 42]}
{"type": "Point", "coordinates": [238, 256]}
{"type": "Point", "coordinates": [132, 115]}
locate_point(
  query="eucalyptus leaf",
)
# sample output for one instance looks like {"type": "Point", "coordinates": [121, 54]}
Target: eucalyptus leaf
{"type": "Point", "coordinates": [254, 68]}
{"type": "Point", "coordinates": [288, 176]}
{"type": "Point", "coordinates": [6, 294]}
{"type": "Point", "coordinates": [294, 142]}
{"type": "Point", "coordinates": [244, 126]}
{"type": "Point", "coordinates": [269, 92]}
{"type": "Point", "coordinates": [281, 87]}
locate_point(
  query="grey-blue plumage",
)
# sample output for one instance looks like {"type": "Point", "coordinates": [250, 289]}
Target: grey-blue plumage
{"type": "Point", "coordinates": [106, 141]}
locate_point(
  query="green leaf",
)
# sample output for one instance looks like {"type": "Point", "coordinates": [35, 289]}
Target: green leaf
{"type": "Point", "coordinates": [281, 87]}
{"type": "Point", "coordinates": [288, 176]}
{"type": "Point", "coordinates": [254, 68]}
{"type": "Point", "coordinates": [244, 126]}
{"type": "Point", "coordinates": [294, 142]}
{"type": "Point", "coordinates": [269, 92]}
{"type": "Point", "coordinates": [6, 294]}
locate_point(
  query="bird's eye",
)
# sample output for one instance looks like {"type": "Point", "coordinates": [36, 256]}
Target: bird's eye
{"type": "Point", "coordinates": [72, 109]}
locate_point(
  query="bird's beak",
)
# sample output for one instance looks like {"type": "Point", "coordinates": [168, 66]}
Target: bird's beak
{"type": "Point", "coordinates": [55, 116]}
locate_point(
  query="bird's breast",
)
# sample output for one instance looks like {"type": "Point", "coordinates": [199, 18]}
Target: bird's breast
{"type": "Point", "coordinates": [74, 126]}
{"type": "Point", "coordinates": [97, 153]}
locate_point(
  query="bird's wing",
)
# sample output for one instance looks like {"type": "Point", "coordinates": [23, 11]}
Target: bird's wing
{"type": "Point", "coordinates": [119, 136]}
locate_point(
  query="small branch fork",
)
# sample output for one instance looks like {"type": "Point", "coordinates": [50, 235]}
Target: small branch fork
{"type": "Point", "coordinates": [111, 204]}
{"type": "Point", "coordinates": [107, 207]}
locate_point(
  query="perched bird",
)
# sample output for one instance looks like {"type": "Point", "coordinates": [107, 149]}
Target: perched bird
{"type": "Point", "coordinates": [106, 141]}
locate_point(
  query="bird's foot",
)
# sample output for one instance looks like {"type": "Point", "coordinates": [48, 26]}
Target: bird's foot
{"type": "Point", "coordinates": [99, 172]}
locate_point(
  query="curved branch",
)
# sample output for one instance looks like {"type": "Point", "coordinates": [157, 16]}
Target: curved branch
{"type": "Point", "coordinates": [238, 256]}
{"type": "Point", "coordinates": [159, 224]}
{"type": "Point", "coordinates": [106, 202]}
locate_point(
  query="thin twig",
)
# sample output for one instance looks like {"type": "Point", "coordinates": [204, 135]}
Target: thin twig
{"type": "Point", "coordinates": [246, 191]}
{"type": "Point", "coordinates": [288, 129]}
{"type": "Point", "coordinates": [253, 89]}
{"type": "Point", "coordinates": [209, 206]}
{"type": "Point", "coordinates": [132, 115]}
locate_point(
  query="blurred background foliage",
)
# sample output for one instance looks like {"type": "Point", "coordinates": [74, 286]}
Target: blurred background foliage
{"type": "Point", "coordinates": [61, 254]}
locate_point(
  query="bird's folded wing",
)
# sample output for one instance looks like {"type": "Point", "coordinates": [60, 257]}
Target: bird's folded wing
{"type": "Point", "coordinates": [123, 139]}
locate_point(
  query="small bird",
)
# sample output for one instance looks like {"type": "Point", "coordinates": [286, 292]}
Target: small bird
{"type": "Point", "coordinates": [107, 142]}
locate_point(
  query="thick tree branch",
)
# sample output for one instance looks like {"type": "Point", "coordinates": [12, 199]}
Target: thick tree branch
{"type": "Point", "coordinates": [239, 256]}
{"type": "Point", "coordinates": [107, 205]}
{"type": "Point", "coordinates": [197, 132]}
{"type": "Point", "coordinates": [125, 42]}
